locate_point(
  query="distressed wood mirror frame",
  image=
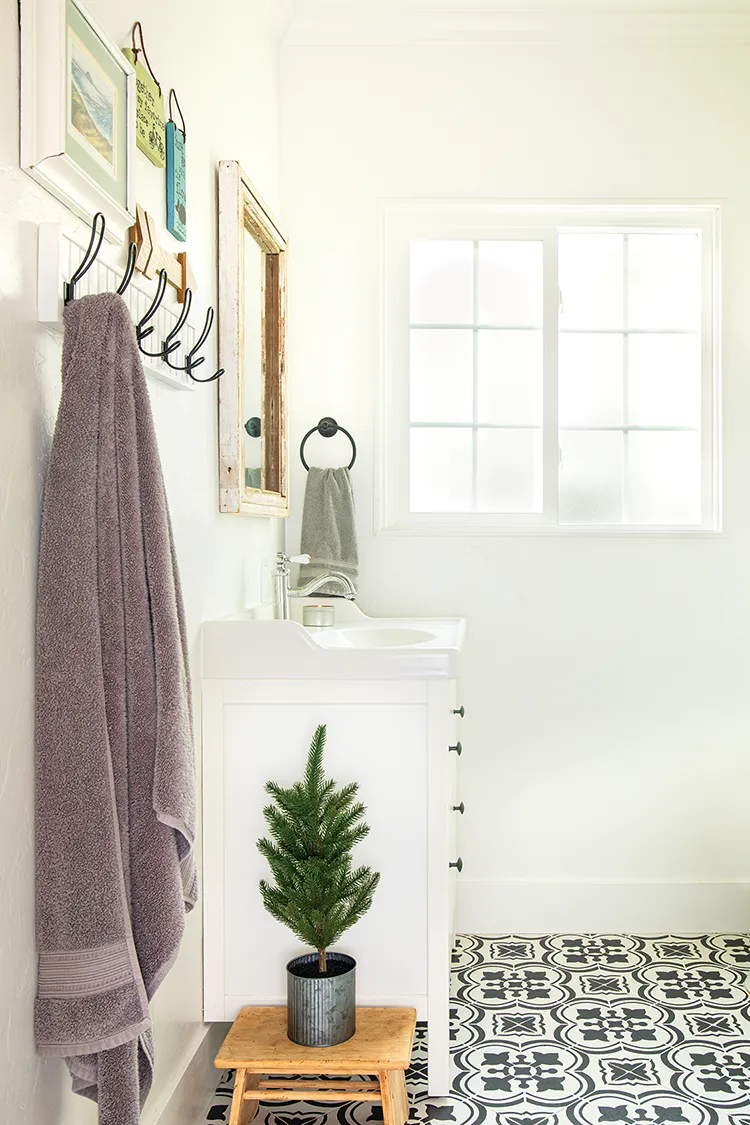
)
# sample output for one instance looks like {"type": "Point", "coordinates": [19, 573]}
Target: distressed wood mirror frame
{"type": "Point", "coordinates": [241, 211]}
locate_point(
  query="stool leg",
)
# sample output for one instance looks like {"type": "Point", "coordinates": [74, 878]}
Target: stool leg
{"type": "Point", "coordinates": [243, 1111]}
{"type": "Point", "coordinates": [395, 1100]}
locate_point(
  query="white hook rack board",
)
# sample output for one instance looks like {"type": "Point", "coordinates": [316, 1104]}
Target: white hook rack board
{"type": "Point", "coordinates": [58, 256]}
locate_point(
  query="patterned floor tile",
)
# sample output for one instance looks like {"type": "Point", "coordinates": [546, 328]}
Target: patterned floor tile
{"type": "Point", "coordinates": [613, 1024]}
{"type": "Point", "coordinates": [731, 949]}
{"type": "Point", "coordinates": [577, 1029]}
{"type": "Point", "coordinates": [693, 985]}
{"type": "Point", "coordinates": [530, 984]}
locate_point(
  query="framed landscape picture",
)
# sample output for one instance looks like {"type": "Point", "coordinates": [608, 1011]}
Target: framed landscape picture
{"type": "Point", "coordinates": [77, 112]}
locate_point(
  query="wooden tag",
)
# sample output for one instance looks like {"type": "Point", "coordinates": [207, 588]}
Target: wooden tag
{"type": "Point", "coordinates": [149, 113]}
{"type": "Point", "coordinates": [152, 258]}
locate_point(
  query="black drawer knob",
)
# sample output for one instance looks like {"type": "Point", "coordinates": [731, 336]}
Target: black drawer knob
{"type": "Point", "coordinates": [460, 808]}
{"type": "Point", "coordinates": [459, 711]}
{"type": "Point", "coordinates": [458, 749]}
{"type": "Point", "coordinates": [459, 865]}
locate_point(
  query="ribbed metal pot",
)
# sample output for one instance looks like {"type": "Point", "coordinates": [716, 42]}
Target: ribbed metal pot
{"type": "Point", "coordinates": [321, 1011]}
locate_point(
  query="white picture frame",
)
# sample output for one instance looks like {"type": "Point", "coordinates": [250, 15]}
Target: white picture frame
{"type": "Point", "coordinates": [59, 137]}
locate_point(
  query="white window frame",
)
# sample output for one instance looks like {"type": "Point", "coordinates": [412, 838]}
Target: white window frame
{"type": "Point", "coordinates": [403, 222]}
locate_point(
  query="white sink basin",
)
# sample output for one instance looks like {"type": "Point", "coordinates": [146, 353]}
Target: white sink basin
{"type": "Point", "coordinates": [360, 636]}
{"type": "Point", "coordinates": [356, 648]}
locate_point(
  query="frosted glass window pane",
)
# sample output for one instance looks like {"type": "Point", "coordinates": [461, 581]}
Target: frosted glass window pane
{"type": "Point", "coordinates": [591, 477]}
{"type": "Point", "coordinates": [440, 470]}
{"type": "Point", "coordinates": [442, 282]}
{"type": "Point", "coordinates": [664, 478]}
{"type": "Point", "coordinates": [664, 382]}
{"type": "Point", "coordinates": [509, 471]}
{"type": "Point", "coordinates": [510, 284]}
{"type": "Point", "coordinates": [441, 374]}
{"type": "Point", "coordinates": [664, 273]}
{"type": "Point", "coordinates": [591, 280]}
{"type": "Point", "coordinates": [510, 378]}
{"type": "Point", "coordinates": [590, 381]}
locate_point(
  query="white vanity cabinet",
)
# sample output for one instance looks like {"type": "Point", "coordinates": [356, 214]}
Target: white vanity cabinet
{"type": "Point", "coordinates": [392, 736]}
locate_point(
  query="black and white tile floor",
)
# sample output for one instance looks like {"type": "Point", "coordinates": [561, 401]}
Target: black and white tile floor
{"type": "Point", "coordinates": [579, 1030]}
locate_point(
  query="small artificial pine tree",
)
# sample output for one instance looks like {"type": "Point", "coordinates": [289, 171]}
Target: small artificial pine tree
{"type": "Point", "coordinates": [314, 827]}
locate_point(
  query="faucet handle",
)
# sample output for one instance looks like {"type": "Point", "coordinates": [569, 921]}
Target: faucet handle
{"type": "Point", "coordinates": [283, 560]}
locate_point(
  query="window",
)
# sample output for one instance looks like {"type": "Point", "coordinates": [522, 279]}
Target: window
{"type": "Point", "coordinates": [551, 370]}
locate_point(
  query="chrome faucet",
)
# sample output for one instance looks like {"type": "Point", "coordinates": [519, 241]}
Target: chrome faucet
{"type": "Point", "coordinates": [282, 593]}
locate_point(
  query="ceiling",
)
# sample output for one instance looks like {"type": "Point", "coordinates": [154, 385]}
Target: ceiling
{"type": "Point", "coordinates": [353, 22]}
{"type": "Point", "coordinates": [609, 7]}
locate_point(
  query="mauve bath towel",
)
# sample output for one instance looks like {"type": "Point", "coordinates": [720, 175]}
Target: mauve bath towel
{"type": "Point", "coordinates": [115, 773]}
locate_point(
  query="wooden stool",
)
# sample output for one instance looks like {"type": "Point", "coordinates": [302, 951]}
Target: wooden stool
{"type": "Point", "coordinates": [258, 1044]}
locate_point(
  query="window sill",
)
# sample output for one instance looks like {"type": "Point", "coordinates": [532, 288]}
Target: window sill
{"type": "Point", "coordinates": [488, 531]}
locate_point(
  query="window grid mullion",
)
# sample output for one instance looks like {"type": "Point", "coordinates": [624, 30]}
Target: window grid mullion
{"type": "Point", "coordinates": [586, 428]}
{"type": "Point", "coordinates": [550, 373]}
{"type": "Point", "coordinates": [475, 382]}
{"type": "Point", "coordinates": [625, 374]}
{"type": "Point", "coordinates": [447, 326]}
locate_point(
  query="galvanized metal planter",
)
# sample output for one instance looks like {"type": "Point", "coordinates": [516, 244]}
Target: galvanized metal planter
{"type": "Point", "coordinates": [321, 1010]}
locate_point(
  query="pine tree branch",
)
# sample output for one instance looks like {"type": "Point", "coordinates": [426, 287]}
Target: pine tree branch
{"type": "Point", "coordinates": [313, 828]}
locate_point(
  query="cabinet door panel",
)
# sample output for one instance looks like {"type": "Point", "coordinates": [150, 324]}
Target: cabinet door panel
{"type": "Point", "coordinates": [384, 748]}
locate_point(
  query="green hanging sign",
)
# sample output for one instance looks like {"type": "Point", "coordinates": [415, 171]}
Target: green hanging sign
{"type": "Point", "coordinates": [149, 105]}
{"type": "Point", "coordinates": [176, 189]}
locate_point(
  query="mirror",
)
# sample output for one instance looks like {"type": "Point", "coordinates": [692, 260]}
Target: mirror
{"type": "Point", "coordinates": [253, 470]}
{"type": "Point", "coordinates": [252, 384]}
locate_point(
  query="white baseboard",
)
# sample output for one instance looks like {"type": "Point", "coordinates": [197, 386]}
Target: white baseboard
{"type": "Point", "coordinates": [490, 907]}
{"type": "Point", "coordinates": [188, 1102]}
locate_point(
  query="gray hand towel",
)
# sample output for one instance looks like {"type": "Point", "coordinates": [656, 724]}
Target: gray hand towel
{"type": "Point", "coordinates": [329, 533]}
{"type": "Point", "coordinates": [115, 774]}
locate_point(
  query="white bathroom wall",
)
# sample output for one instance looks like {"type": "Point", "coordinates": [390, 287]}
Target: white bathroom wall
{"type": "Point", "coordinates": [606, 770]}
{"type": "Point", "coordinates": [222, 61]}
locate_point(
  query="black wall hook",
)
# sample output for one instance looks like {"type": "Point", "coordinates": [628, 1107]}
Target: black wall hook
{"type": "Point", "coordinates": [190, 362]}
{"type": "Point", "coordinates": [127, 277]}
{"type": "Point", "coordinates": [141, 329]}
{"type": "Point", "coordinates": [327, 428]}
{"type": "Point", "coordinates": [168, 346]}
{"type": "Point", "coordinates": [98, 228]}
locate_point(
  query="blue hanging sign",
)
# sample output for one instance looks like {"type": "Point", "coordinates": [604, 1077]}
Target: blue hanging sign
{"type": "Point", "coordinates": [176, 188]}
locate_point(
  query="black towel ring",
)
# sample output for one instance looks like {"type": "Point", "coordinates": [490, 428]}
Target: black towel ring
{"type": "Point", "coordinates": [327, 427]}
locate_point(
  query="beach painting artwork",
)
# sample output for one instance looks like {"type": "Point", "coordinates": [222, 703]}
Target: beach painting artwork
{"type": "Point", "coordinates": [92, 105]}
